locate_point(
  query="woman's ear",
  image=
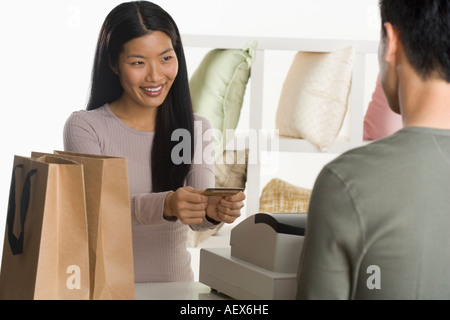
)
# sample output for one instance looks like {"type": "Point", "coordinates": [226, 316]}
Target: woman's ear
{"type": "Point", "coordinates": [113, 67]}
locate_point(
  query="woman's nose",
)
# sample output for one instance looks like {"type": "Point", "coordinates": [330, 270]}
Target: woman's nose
{"type": "Point", "coordinates": [153, 73]}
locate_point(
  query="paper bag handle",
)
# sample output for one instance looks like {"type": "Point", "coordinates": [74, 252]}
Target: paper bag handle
{"type": "Point", "coordinates": [15, 243]}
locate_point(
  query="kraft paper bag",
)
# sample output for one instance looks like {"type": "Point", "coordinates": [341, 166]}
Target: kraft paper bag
{"type": "Point", "coordinates": [109, 225]}
{"type": "Point", "coordinates": [45, 252]}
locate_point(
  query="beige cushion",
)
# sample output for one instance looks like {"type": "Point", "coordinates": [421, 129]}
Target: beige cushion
{"type": "Point", "coordinates": [279, 196]}
{"type": "Point", "coordinates": [231, 171]}
{"type": "Point", "coordinates": [315, 96]}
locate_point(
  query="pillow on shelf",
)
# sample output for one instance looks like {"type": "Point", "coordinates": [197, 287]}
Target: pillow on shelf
{"type": "Point", "coordinates": [315, 96]}
{"type": "Point", "coordinates": [279, 196]}
{"type": "Point", "coordinates": [218, 86]}
{"type": "Point", "coordinates": [380, 121]}
{"type": "Point", "coordinates": [231, 171]}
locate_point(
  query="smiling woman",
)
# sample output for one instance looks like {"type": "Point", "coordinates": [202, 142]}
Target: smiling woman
{"type": "Point", "coordinates": [139, 97]}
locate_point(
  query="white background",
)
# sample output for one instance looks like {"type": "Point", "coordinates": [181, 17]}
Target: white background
{"type": "Point", "coordinates": [47, 49]}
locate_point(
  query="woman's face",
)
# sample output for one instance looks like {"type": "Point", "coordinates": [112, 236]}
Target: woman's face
{"type": "Point", "coordinates": [147, 68]}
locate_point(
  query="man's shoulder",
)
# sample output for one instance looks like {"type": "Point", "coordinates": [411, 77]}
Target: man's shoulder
{"type": "Point", "coordinates": [402, 145]}
{"type": "Point", "coordinates": [373, 157]}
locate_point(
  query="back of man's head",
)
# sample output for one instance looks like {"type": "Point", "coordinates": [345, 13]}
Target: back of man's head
{"type": "Point", "coordinates": [424, 27]}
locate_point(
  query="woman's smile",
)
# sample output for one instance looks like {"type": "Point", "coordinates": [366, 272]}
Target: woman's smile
{"type": "Point", "coordinates": [154, 91]}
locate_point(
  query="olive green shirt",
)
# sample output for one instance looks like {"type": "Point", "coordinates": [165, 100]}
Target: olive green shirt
{"type": "Point", "coordinates": [379, 222]}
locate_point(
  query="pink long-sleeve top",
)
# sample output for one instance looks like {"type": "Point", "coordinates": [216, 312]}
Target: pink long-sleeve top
{"type": "Point", "coordinates": [159, 246]}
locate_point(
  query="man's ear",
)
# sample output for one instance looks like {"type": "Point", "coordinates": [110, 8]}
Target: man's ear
{"type": "Point", "coordinates": [392, 43]}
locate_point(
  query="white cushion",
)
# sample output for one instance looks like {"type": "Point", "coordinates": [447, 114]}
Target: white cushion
{"type": "Point", "coordinates": [315, 96]}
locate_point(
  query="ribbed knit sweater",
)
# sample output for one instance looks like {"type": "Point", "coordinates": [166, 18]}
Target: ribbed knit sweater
{"type": "Point", "coordinates": [159, 246]}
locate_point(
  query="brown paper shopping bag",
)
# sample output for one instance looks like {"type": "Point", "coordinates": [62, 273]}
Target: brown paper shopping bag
{"type": "Point", "coordinates": [109, 225]}
{"type": "Point", "coordinates": [45, 253]}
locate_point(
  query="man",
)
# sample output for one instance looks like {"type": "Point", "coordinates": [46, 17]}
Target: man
{"type": "Point", "coordinates": [379, 217]}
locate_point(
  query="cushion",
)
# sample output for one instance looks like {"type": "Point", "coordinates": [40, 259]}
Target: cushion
{"type": "Point", "coordinates": [218, 86]}
{"type": "Point", "coordinates": [315, 96]}
{"type": "Point", "coordinates": [231, 171]}
{"type": "Point", "coordinates": [380, 121]}
{"type": "Point", "coordinates": [279, 196]}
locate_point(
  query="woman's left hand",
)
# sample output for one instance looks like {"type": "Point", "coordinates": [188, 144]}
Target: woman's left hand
{"type": "Point", "coordinates": [226, 209]}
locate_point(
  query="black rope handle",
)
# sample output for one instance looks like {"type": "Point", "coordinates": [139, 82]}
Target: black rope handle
{"type": "Point", "coordinates": [15, 243]}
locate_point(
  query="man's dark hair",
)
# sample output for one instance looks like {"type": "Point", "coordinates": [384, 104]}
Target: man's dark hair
{"type": "Point", "coordinates": [424, 27]}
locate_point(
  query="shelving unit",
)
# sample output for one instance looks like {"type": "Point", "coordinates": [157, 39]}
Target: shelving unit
{"type": "Point", "coordinates": [356, 112]}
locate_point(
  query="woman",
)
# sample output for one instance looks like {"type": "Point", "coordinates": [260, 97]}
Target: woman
{"type": "Point", "coordinates": [139, 97]}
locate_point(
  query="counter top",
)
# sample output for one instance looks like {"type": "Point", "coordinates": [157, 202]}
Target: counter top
{"type": "Point", "coordinates": [176, 291]}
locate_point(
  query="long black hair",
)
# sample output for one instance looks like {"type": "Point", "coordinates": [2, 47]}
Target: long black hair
{"type": "Point", "coordinates": [126, 22]}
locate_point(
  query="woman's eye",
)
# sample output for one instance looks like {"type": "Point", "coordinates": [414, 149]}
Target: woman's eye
{"type": "Point", "coordinates": [166, 59]}
{"type": "Point", "coordinates": [138, 63]}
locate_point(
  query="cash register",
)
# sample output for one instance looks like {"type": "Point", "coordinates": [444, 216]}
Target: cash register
{"type": "Point", "coordinates": [262, 260]}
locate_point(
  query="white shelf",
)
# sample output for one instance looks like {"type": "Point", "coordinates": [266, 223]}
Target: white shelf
{"type": "Point", "coordinates": [304, 146]}
{"type": "Point", "coordinates": [292, 44]}
{"type": "Point", "coordinates": [256, 88]}
{"type": "Point", "coordinates": [287, 144]}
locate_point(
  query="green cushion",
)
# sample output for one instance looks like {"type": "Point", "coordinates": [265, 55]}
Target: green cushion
{"type": "Point", "coordinates": [218, 87]}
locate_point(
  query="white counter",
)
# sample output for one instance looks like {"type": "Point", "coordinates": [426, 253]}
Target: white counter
{"type": "Point", "coordinates": [176, 291]}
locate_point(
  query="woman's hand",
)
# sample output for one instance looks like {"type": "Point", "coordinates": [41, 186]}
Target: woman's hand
{"type": "Point", "coordinates": [226, 209]}
{"type": "Point", "coordinates": [186, 204]}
